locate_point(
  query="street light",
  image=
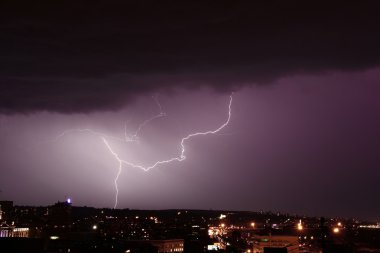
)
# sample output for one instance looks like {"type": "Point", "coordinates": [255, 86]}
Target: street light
{"type": "Point", "coordinates": [299, 226]}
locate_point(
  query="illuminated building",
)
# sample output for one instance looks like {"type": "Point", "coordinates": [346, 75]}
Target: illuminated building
{"type": "Point", "coordinates": [263, 244]}
{"type": "Point", "coordinates": [6, 210]}
{"type": "Point", "coordinates": [12, 231]}
{"type": "Point", "coordinates": [156, 246]}
{"type": "Point", "coordinates": [5, 230]}
{"type": "Point", "coordinates": [20, 232]}
{"type": "Point", "coordinates": [166, 246]}
{"type": "Point", "coordinates": [215, 246]}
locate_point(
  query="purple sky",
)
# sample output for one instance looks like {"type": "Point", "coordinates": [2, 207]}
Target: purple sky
{"type": "Point", "coordinates": [303, 135]}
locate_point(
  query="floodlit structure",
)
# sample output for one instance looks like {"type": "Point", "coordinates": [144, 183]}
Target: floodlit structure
{"type": "Point", "coordinates": [166, 246]}
{"type": "Point", "coordinates": [265, 243]}
{"type": "Point", "coordinates": [12, 231]}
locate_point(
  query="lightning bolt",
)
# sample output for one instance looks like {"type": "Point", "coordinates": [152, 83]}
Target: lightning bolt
{"type": "Point", "coordinates": [127, 139]}
{"type": "Point", "coordinates": [181, 157]}
{"type": "Point", "coordinates": [135, 138]}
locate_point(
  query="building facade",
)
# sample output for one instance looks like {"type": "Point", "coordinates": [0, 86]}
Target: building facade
{"type": "Point", "coordinates": [263, 244]}
{"type": "Point", "coordinates": [12, 231]}
{"type": "Point", "coordinates": [168, 246]}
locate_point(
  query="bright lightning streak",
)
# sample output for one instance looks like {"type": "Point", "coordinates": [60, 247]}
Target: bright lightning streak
{"type": "Point", "coordinates": [135, 138]}
{"type": "Point", "coordinates": [115, 183]}
{"type": "Point", "coordinates": [179, 158]}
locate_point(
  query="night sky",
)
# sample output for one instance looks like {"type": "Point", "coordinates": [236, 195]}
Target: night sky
{"type": "Point", "coordinates": [303, 136]}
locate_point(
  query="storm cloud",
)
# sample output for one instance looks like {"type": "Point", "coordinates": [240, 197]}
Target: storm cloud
{"type": "Point", "coordinates": [85, 56]}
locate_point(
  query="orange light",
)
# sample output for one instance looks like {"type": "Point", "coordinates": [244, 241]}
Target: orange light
{"type": "Point", "coordinates": [299, 225]}
{"type": "Point", "coordinates": [336, 230]}
{"type": "Point", "coordinates": [253, 224]}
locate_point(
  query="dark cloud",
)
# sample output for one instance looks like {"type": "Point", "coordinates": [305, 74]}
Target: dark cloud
{"type": "Point", "coordinates": [98, 55]}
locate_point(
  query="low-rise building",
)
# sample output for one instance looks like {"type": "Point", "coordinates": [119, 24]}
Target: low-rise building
{"type": "Point", "coordinates": [168, 246]}
{"type": "Point", "coordinates": [263, 244]}
{"type": "Point", "coordinates": [12, 231]}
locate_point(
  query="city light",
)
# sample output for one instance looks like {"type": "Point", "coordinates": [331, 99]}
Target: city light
{"type": "Point", "coordinates": [137, 225]}
{"type": "Point", "coordinates": [373, 226]}
{"type": "Point", "coordinates": [299, 226]}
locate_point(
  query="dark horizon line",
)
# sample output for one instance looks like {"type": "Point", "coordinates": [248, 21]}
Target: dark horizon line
{"type": "Point", "coordinates": [206, 210]}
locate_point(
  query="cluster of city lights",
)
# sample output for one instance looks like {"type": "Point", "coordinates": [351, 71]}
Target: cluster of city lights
{"type": "Point", "coordinates": [336, 229]}
{"type": "Point", "coordinates": [377, 226]}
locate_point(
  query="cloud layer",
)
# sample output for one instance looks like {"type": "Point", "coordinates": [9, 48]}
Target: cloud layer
{"type": "Point", "coordinates": [95, 55]}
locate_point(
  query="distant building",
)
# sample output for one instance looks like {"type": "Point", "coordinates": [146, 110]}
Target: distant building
{"type": "Point", "coordinates": [60, 214]}
{"type": "Point", "coordinates": [20, 232]}
{"type": "Point", "coordinates": [6, 210]}
{"type": "Point", "coordinates": [277, 243]}
{"type": "Point", "coordinates": [166, 246]}
{"type": "Point", "coordinates": [5, 230]}
{"type": "Point", "coordinates": [12, 231]}
{"type": "Point", "coordinates": [159, 246]}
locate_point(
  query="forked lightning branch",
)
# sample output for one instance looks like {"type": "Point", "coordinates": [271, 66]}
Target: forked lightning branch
{"type": "Point", "coordinates": [135, 137]}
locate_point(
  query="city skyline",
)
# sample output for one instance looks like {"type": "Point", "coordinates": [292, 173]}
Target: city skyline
{"type": "Point", "coordinates": [89, 87]}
